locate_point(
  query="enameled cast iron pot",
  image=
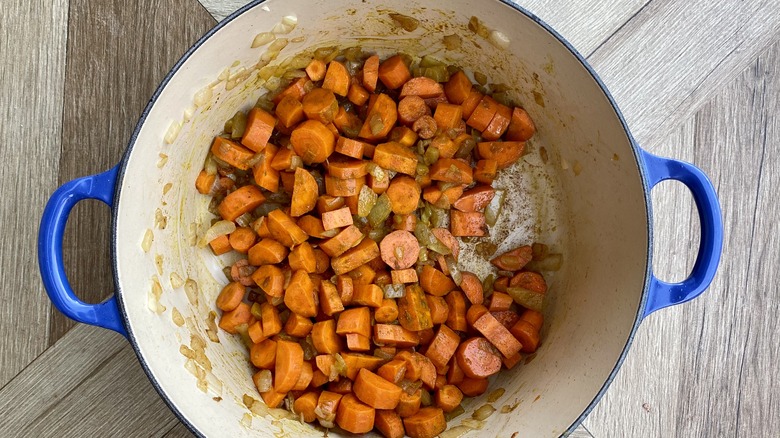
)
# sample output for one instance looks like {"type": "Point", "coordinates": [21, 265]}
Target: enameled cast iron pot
{"type": "Point", "coordinates": [583, 188]}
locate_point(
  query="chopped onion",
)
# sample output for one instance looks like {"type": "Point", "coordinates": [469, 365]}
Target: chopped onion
{"type": "Point", "coordinates": [493, 210]}
{"type": "Point", "coordinates": [495, 395]}
{"type": "Point", "coordinates": [452, 42]}
{"type": "Point", "coordinates": [366, 200]}
{"type": "Point", "coordinates": [163, 160]}
{"type": "Point", "coordinates": [376, 124]}
{"type": "Point", "coordinates": [454, 432]}
{"type": "Point", "coordinates": [264, 380]}
{"type": "Point", "coordinates": [176, 280]}
{"type": "Point", "coordinates": [176, 317]}
{"type": "Point", "coordinates": [203, 96]}
{"type": "Point", "coordinates": [527, 298]}
{"type": "Point", "coordinates": [380, 212]}
{"type": "Point", "coordinates": [472, 423]}
{"type": "Point", "coordinates": [173, 132]}
{"type": "Point", "coordinates": [146, 242]}
{"type": "Point", "coordinates": [407, 23]}
{"type": "Point", "coordinates": [429, 240]}
{"type": "Point", "coordinates": [191, 289]}
{"type": "Point", "coordinates": [483, 412]}
{"type": "Point", "coordinates": [290, 20]}
{"type": "Point", "coordinates": [307, 344]}
{"type": "Point", "coordinates": [409, 386]}
{"type": "Point", "coordinates": [452, 266]}
{"type": "Point", "coordinates": [220, 228]}
{"type": "Point", "coordinates": [394, 291]}
{"type": "Point", "coordinates": [454, 413]}
{"type": "Point", "coordinates": [339, 365]}
{"type": "Point", "coordinates": [278, 45]}
{"type": "Point", "coordinates": [262, 39]}
{"type": "Point", "coordinates": [552, 262]}
{"type": "Point", "coordinates": [499, 39]}
{"type": "Point", "coordinates": [425, 398]}
{"type": "Point", "coordinates": [246, 421]}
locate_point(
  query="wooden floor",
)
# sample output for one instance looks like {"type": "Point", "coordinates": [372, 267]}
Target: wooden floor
{"type": "Point", "coordinates": [697, 80]}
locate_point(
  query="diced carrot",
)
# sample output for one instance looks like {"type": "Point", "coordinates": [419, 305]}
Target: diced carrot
{"type": "Point", "coordinates": [346, 123]}
{"type": "Point", "coordinates": [435, 282]}
{"type": "Point", "coordinates": [448, 116]}
{"type": "Point", "coordinates": [527, 335]}
{"type": "Point", "coordinates": [283, 159]}
{"type": "Point", "coordinates": [504, 153]}
{"type": "Point", "coordinates": [467, 224]}
{"type": "Point", "coordinates": [521, 126]}
{"type": "Point", "coordinates": [474, 313]}
{"type": "Point", "coordinates": [299, 296]}
{"type": "Point", "coordinates": [451, 170]}
{"type": "Point", "coordinates": [393, 371]}
{"type": "Point", "coordinates": [371, 73]}
{"type": "Point", "coordinates": [458, 87]}
{"type": "Point", "coordinates": [394, 156]}
{"type": "Point", "coordinates": [507, 318]}
{"type": "Point", "coordinates": [428, 422]}
{"type": "Point", "coordinates": [305, 192]}
{"type": "Point", "coordinates": [409, 403]}
{"type": "Point", "coordinates": [220, 245]}
{"type": "Point", "coordinates": [483, 113]}
{"type": "Point", "coordinates": [510, 362]}
{"type": "Point", "coordinates": [305, 405]}
{"type": "Point", "coordinates": [289, 363]}
{"type": "Point", "coordinates": [316, 70]}
{"type": "Point", "coordinates": [367, 295]}
{"type": "Point", "coordinates": [529, 280]}
{"type": "Point", "coordinates": [454, 373]}
{"type": "Point", "coordinates": [330, 301]}
{"type": "Point", "coordinates": [439, 309]}
{"type": "Point", "coordinates": [513, 260]}
{"type": "Point", "coordinates": [313, 141]}
{"type": "Point", "coordinates": [380, 119]}
{"type": "Point", "coordinates": [470, 104]}
{"type": "Point", "coordinates": [345, 288]}
{"type": "Point", "coordinates": [345, 169]}
{"type": "Point", "coordinates": [267, 252]}
{"type": "Point", "coordinates": [336, 219]}
{"type": "Point", "coordinates": [259, 127]}
{"type": "Point", "coordinates": [376, 391]}
{"type": "Point", "coordinates": [231, 153]}
{"type": "Point", "coordinates": [273, 398]}
{"type": "Point", "coordinates": [403, 134]}
{"type": "Point", "coordinates": [422, 86]}
{"type": "Point", "coordinates": [355, 416]}
{"type": "Point", "coordinates": [393, 72]}
{"type": "Point", "coordinates": [472, 287]}
{"type": "Point", "coordinates": [448, 398]}
{"type": "Point", "coordinates": [341, 386]}
{"type": "Point", "coordinates": [357, 94]}
{"type": "Point", "coordinates": [498, 335]}
{"type": "Point", "coordinates": [356, 361]}
{"type": "Point", "coordinates": [389, 424]}
{"type": "Point", "coordinates": [456, 318]}
{"type": "Point", "coordinates": [329, 203]}
{"type": "Point", "coordinates": [243, 200]}
{"type": "Point", "coordinates": [501, 284]}
{"type": "Point", "coordinates": [336, 78]}
{"type": "Point", "coordinates": [395, 336]}
{"type": "Point", "coordinates": [349, 147]}
{"type": "Point", "coordinates": [232, 319]}
{"type": "Point", "coordinates": [356, 342]}
{"type": "Point", "coordinates": [536, 319]}
{"type": "Point", "coordinates": [498, 124]}
{"type": "Point", "coordinates": [312, 226]}
{"type": "Point", "coordinates": [443, 346]}
{"type": "Point", "coordinates": [343, 187]}
{"type": "Point", "coordinates": [404, 194]}
{"type": "Point", "coordinates": [284, 229]}
{"type": "Point", "coordinates": [318, 378]}
{"type": "Point", "coordinates": [324, 337]}
{"type": "Point", "coordinates": [297, 89]}
{"type": "Point", "coordinates": [404, 276]}
{"type": "Point", "coordinates": [355, 320]}
{"type": "Point", "coordinates": [365, 251]}
{"type": "Point", "coordinates": [242, 239]}
{"type": "Point", "coordinates": [272, 321]}
{"type": "Point", "coordinates": [205, 182]}
{"type": "Point", "coordinates": [265, 176]}
{"type": "Point", "coordinates": [486, 171]}
{"type": "Point", "coordinates": [288, 181]}
{"type": "Point", "coordinates": [302, 258]}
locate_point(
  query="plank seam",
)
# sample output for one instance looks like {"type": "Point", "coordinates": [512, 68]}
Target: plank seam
{"type": "Point", "coordinates": [630, 19]}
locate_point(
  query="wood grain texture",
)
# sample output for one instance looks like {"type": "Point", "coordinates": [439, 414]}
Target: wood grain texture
{"type": "Point", "coordinates": [709, 367]}
{"type": "Point", "coordinates": [118, 52]}
{"type": "Point", "coordinates": [32, 67]}
{"type": "Point", "coordinates": [668, 60]}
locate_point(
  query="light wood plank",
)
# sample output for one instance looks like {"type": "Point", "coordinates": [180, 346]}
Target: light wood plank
{"type": "Point", "coordinates": [709, 367]}
{"type": "Point", "coordinates": [118, 52]}
{"type": "Point", "coordinates": [580, 432]}
{"type": "Point", "coordinates": [667, 61]}
{"type": "Point", "coordinates": [32, 65]}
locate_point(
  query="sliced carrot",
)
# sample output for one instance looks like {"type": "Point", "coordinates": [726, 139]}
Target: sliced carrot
{"type": "Point", "coordinates": [302, 258]}
{"type": "Point", "coordinates": [357, 94]}
{"type": "Point", "coordinates": [393, 72]}
{"type": "Point", "coordinates": [425, 127]}
{"type": "Point", "coordinates": [467, 224]}
{"type": "Point", "coordinates": [329, 203]}
{"type": "Point", "coordinates": [273, 398]}
{"type": "Point", "coordinates": [321, 105]}
{"type": "Point", "coordinates": [336, 78]}
{"type": "Point", "coordinates": [357, 361]}
{"type": "Point", "coordinates": [472, 287]}
{"type": "Point", "coordinates": [507, 318]}
{"type": "Point", "coordinates": [231, 153]}
{"type": "Point", "coordinates": [435, 282]}
{"type": "Point", "coordinates": [288, 181]}
{"type": "Point", "coordinates": [403, 134]}
{"type": "Point", "coordinates": [393, 371]}
{"type": "Point", "coordinates": [347, 123]}
{"type": "Point", "coordinates": [380, 119]}
{"type": "Point", "coordinates": [448, 116]}
{"type": "Point", "coordinates": [422, 86]}
{"type": "Point", "coordinates": [337, 219]}
{"type": "Point", "coordinates": [498, 335]}
{"type": "Point", "coordinates": [231, 296]}
{"type": "Point", "coordinates": [529, 280]}
{"type": "Point", "coordinates": [355, 320]}
{"type": "Point", "coordinates": [478, 358]}
{"type": "Point", "coordinates": [443, 346]}
{"type": "Point", "coordinates": [513, 260]}
{"type": "Point", "coordinates": [521, 126]}
{"type": "Point", "coordinates": [367, 295]}
{"type": "Point", "coordinates": [324, 337]}
{"type": "Point", "coordinates": [289, 363]}
{"type": "Point", "coordinates": [297, 325]}
{"type": "Point", "coordinates": [536, 319]}
{"type": "Point", "coordinates": [220, 245]}
{"type": "Point", "coordinates": [451, 170]}
{"type": "Point", "coordinates": [318, 378]}
{"type": "Point", "coordinates": [284, 229]}
{"type": "Point", "coordinates": [242, 239]}
{"type": "Point", "coordinates": [345, 288]}
{"type": "Point", "coordinates": [504, 153]}
{"type": "Point", "coordinates": [454, 373]}
{"type": "Point", "coordinates": [396, 157]}
{"type": "Point", "coordinates": [404, 194]}
{"type": "Point", "coordinates": [243, 200]}
{"type": "Point", "coordinates": [500, 301]}
{"type": "Point", "coordinates": [313, 227]}
{"type": "Point", "coordinates": [344, 169]}
{"type": "Point", "coordinates": [265, 176]}
{"type": "Point", "coordinates": [259, 127]}
{"type": "Point", "coordinates": [448, 397]}
{"type": "Point", "coordinates": [299, 296]}
{"type": "Point", "coordinates": [470, 104]}
{"type": "Point", "coordinates": [482, 115]}
{"type": "Point", "coordinates": [365, 251]}
{"type": "Point", "coordinates": [404, 276]}
{"type": "Point", "coordinates": [456, 318]}
{"type": "Point", "coordinates": [510, 362]}
{"type": "Point", "coordinates": [439, 309]}
{"type": "Point", "coordinates": [501, 284]}
{"type": "Point", "coordinates": [316, 70]}
{"type": "Point", "coordinates": [527, 335]}
{"type": "Point", "coordinates": [343, 187]}
{"type": "Point", "coordinates": [395, 336]}
{"type": "Point", "coordinates": [349, 147]}
{"type": "Point", "coordinates": [387, 311]}
{"type": "Point", "coordinates": [498, 124]}
{"type": "Point", "coordinates": [305, 192]}
{"type": "Point", "coordinates": [375, 391]}
{"type": "Point", "coordinates": [322, 261]}
{"type": "Point", "coordinates": [371, 73]}
{"type": "Point", "coordinates": [356, 342]}
{"type": "Point", "coordinates": [270, 279]}
{"type": "Point", "coordinates": [413, 311]}
{"type": "Point", "coordinates": [296, 89]}
{"type": "Point", "coordinates": [313, 141]}
{"type": "Point", "coordinates": [330, 301]}
{"type": "Point", "coordinates": [267, 251]}
{"type": "Point", "coordinates": [458, 87]}
{"type": "Point", "coordinates": [428, 422]}
{"type": "Point", "coordinates": [283, 159]}
{"type": "Point", "coordinates": [341, 386]}
{"type": "Point", "coordinates": [474, 313]}
{"type": "Point", "coordinates": [272, 321]}
{"type": "Point", "coordinates": [389, 424]}
{"type": "Point", "coordinates": [405, 222]}
{"type": "Point", "coordinates": [354, 416]}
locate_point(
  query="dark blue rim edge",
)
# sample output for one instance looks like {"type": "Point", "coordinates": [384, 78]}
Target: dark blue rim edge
{"type": "Point", "coordinates": [123, 165]}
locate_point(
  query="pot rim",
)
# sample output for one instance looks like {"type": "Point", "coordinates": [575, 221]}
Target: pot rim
{"type": "Point", "coordinates": [635, 148]}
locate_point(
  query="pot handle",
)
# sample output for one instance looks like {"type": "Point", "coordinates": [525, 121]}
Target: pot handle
{"type": "Point", "coordinates": [660, 293]}
{"type": "Point", "coordinates": [55, 216]}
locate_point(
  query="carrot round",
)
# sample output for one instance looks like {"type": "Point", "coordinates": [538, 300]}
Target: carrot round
{"type": "Point", "coordinates": [422, 86]}
{"type": "Point", "coordinates": [305, 405]}
{"type": "Point", "coordinates": [400, 249]}
{"type": "Point", "coordinates": [428, 422]}
{"type": "Point", "coordinates": [477, 358]}
{"type": "Point", "coordinates": [375, 391]}
{"type": "Point", "coordinates": [243, 200]}
{"type": "Point", "coordinates": [242, 239]}
{"type": "Point", "coordinates": [231, 296]}
{"type": "Point", "coordinates": [425, 126]}
{"type": "Point", "coordinates": [409, 404]}
{"type": "Point", "coordinates": [313, 141]}
{"type": "Point", "coordinates": [404, 194]}
{"type": "Point", "coordinates": [448, 397]}
{"type": "Point", "coordinates": [320, 104]}
{"type": "Point", "coordinates": [316, 69]}
{"type": "Point", "coordinates": [305, 191]}
{"type": "Point", "coordinates": [263, 354]}
{"type": "Point", "coordinates": [289, 363]}
{"type": "Point", "coordinates": [336, 78]}
{"type": "Point", "coordinates": [355, 416]}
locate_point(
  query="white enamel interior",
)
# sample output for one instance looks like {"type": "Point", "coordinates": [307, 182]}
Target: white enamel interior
{"type": "Point", "coordinates": [587, 202]}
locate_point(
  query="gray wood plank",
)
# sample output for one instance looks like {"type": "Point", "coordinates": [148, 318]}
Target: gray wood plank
{"type": "Point", "coordinates": [32, 65]}
{"type": "Point", "coordinates": [118, 52]}
{"type": "Point", "coordinates": [88, 384]}
{"type": "Point", "coordinates": [178, 431]}
{"type": "Point", "coordinates": [669, 59]}
{"type": "Point", "coordinates": [708, 368]}
{"type": "Point", "coordinates": [580, 432]}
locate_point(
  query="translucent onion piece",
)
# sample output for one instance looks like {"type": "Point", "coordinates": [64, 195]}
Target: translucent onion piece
{"type": "Point", "coordinates": [527, 298]}
{"type": "Point", "coordinates": [499, 39]}
{"type": "Point", "coordinates": [366, 201]}
{"type": "Point", "coordinates": [176, 280]}
{"type": "Point", "coordinates": [203, 96]}
{"type": "Point", "coordinates": [394, 291]}
{"type": "Point", "coordinates": [173, 132]}
{"type": "Point", "coordinates": [220, 228]}
{"type": "Point", "coordinates": [264, 381]}
{"type": "Point", "coordinates": [483, 412]}
{"type": "Point", "coordinates": [407, 23]}
{"type": "Point", "coordinates": [493, 210]}
{"type": "Point", "coordinates": [262, 39]}
{"type": "Point", "coordinates": [146, 242]}
{"type": "Point", "coordinates": [552, 262]}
